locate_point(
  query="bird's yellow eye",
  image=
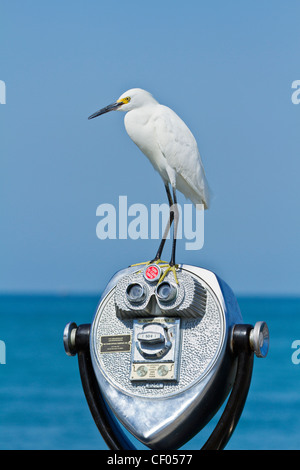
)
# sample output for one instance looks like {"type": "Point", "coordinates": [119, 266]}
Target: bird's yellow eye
{"type": "Point", "coordinates": [124, 100]}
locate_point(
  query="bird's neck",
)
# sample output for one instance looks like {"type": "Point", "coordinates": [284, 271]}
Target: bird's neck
{"type": "Point", "coordinates": [141, 114]}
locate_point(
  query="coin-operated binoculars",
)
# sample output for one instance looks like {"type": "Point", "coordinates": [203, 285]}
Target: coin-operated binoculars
{"type": "Point", "coordinates": [162, 357]}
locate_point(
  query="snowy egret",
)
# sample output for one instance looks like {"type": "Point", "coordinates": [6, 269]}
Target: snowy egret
{"type": "Point", "coordinates": [171, 148]}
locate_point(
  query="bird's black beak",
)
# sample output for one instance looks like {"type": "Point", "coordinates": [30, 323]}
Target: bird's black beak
{"type": "Point", "coordinates": [110, 107]}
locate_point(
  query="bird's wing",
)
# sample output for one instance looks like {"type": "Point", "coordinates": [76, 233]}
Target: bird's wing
{"type": "Point", "coordinates": [179, 147]}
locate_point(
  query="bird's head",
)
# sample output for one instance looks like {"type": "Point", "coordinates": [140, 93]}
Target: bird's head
{"type": "Point", "coordinates": [131, 99]}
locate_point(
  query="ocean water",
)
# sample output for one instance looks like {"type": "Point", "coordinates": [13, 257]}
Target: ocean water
{"type": "Point", "coordinates": [42, 405]}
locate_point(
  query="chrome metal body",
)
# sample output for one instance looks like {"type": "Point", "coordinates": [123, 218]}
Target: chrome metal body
{"type": "Point", "coordinates": [164, 372]}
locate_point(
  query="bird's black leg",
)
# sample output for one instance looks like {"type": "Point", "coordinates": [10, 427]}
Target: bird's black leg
{"type": "Point", "coordinates": [171, 218]}
{"type": "Point", "coordinates": [163, 241]}
{"type": "Point", "coordinates": [175, 216]}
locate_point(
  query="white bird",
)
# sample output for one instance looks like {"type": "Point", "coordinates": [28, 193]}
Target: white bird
{"type": "Point", "coordinates": [171, 148]}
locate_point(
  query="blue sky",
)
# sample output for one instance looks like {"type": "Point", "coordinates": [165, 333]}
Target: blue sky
{"type": "Point", "coordinates": [225, 67]}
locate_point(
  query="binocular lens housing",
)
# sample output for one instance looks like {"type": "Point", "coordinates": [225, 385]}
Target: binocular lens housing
{"type": "Point", "coordinates": [166, 291]}
{"type": "Point", "coordinates": [135, 293]}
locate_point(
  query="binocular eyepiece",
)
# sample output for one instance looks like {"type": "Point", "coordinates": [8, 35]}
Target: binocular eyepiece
{"type": "Point", "coordinates": [165, 292]}
{"type": "Point", "coordinates": [142, 293]}
{"type": "Point", "coordinates": [136, 293]}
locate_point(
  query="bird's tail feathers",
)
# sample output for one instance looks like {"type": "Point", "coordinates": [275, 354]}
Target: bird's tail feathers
{"type": "Point", "coordinates": [202, 197]}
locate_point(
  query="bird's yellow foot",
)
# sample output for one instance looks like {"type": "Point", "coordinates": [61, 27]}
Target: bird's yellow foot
{"type": "Point", "coordinates": [145, 263]}
{"type": "Point", "coordinates": [152, 269]}
{"type": "Point", "coordinates": [161, 264]}
{"type": "Point", "coordinates": [169, 268]}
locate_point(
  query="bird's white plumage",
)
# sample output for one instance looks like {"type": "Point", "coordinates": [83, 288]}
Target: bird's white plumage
{"type": "Point", "coordinates": [168, 143]}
